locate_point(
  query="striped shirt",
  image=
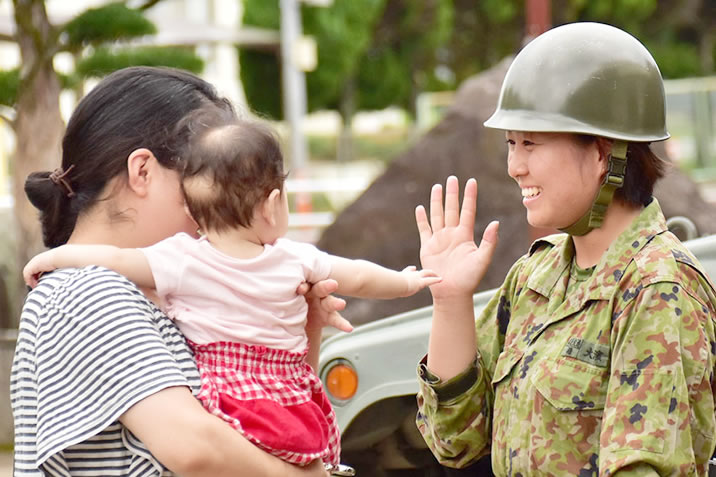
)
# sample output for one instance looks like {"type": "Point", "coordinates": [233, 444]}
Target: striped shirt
{"type": "Point", "coordinates": [90, 345]}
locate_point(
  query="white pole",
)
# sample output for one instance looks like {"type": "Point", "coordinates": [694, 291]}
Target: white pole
{"type": "Point", "coordinates": [294, 83]}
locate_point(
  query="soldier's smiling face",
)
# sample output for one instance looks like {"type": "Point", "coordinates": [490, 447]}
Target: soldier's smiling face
{"type": "Point", "coordinates": [559, 176]}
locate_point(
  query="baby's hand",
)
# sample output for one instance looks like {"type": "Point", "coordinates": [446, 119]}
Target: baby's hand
{"type": "Point", "coordinates": [38, 265]}
{"type": "Point", "coordinates": [416, 280]}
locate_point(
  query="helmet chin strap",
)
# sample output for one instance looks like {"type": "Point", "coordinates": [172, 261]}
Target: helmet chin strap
{"type": "Point", "coordinates": [613, 180]}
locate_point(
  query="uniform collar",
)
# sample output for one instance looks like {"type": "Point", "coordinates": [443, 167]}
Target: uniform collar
{"type": "Point", "coordinates": [607, 273]}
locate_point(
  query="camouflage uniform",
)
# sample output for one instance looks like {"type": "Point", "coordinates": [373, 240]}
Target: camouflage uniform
{"type": "Point", "coordinates": [613, 377]}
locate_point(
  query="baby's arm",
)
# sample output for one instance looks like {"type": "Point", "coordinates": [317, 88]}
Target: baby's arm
{"type": "Point", "coordinates": [129, 262]}
{"type": "Point", "coordinates": [361, 278]}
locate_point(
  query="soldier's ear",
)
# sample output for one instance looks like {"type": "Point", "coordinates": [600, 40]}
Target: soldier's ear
{"type": "Point", "coordinates": [604, 146]}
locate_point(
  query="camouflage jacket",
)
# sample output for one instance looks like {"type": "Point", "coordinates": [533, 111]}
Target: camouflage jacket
{"type": "Point", "coordinates": [616, 378]}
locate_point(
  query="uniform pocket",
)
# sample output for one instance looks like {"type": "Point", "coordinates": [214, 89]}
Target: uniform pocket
{"type": "Point", "coordinates": [569, 385]}
{"type": "Point", "coordinates": [566, 410]}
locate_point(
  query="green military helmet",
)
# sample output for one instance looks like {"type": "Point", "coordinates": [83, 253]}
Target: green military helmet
{"type": "Point", "coordinates": [587, 78]}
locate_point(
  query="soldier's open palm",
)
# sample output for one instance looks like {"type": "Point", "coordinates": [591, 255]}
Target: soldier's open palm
{"type": "Point", "coordinates": [447, 240]}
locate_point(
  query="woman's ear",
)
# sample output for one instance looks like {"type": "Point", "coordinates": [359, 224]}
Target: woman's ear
{"type": "Point", "coordinates": [270, 207]}
{"type": "Point", "coordinates": [604, 147]}
{"type": "Point", "coordinates": [140, 164]}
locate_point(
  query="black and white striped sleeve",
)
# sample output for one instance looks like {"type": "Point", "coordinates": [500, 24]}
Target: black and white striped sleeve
{"type": "Point", "coordinates": [99, 349]}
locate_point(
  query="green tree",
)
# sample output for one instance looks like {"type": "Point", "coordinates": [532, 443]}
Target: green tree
{"type": "Point", "coordinates": [371, 54]}
{"type": "Point", "coordinates": [680, 34]}
{"type": "Point", "coordinates": [342, 33]}
{"type": "Point", "coordinates": [378, 53]}
{"type": "Point", "coordinates": [30, 94]}
{"type": "Point", "coordinates": [398, 64]}
{"type": "Point", "coordinates": [400, 60]}
{"type": "Point", "coordinates": [482, 33]}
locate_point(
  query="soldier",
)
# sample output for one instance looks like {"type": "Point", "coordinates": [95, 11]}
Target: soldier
{"type": "Point", "coordinates": [596, 355]}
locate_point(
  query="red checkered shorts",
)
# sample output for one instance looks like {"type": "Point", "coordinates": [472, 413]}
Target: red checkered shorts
{"type": "Point", "coordinates": [272, 397]}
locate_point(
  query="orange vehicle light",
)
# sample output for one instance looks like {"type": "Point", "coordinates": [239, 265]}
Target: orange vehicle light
{"type": "Point", "coordinates": [342, 381]}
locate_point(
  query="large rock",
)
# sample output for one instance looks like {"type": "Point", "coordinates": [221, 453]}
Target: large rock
{"type": "Point", "coordinates": [380, 225]}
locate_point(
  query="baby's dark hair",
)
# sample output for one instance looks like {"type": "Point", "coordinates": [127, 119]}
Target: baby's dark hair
{"type": "Point", "coordinates": [230, 166]}
{"type": "Point", "coordinates": [136, 107]}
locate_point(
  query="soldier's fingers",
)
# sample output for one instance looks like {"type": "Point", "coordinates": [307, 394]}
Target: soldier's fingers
{"type": "Point", "coordinates": [488, 243]}
{"type": "Point", "coordinates": [436, 208]}
{"type": "Point", "coordinates": [421, 220]}
{"type": "Point", "coordinates": [452, 201]}
{"type": "Point", "coordinates": [469, 205]}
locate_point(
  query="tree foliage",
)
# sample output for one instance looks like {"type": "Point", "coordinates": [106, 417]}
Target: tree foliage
{"type": "Point", "coordinates": [107, 23]}
{"type": "Point", "coordinates": [104, 60]}
{"type": "Point", "coordinates": [95, 37]}
{"type": "Point", "coordinates": [260, 71]}
{"type": "Point", "coordinates": [402, 55]}
{"type": "Point", "coordinates": [9, 84]}
{"type": "Point", "coordinates": [680, 35]}
{"type": "Point", "coordinates": [384, 52]}
{"type": "Point", "coordinates": [33, 91]}
{"type": "Point", "coordinates": [385, 47]}
{"type": "Point", "coordinates": [342, 33]}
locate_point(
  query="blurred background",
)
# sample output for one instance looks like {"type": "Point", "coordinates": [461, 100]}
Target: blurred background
{"type": "Point", "coordinates": [375, 100]}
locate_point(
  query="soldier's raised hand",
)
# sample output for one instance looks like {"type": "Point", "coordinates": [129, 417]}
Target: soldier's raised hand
{"type": "Point", "coordinates": [447, 240]}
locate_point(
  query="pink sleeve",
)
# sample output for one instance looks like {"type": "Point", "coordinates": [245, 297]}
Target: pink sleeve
{"type": "Point", "coordinates": [316, 263]}
{"type": "Point", "coordinates": [166, 260]}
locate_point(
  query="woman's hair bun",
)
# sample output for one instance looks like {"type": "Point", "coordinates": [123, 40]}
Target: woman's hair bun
{"type": "Point", "coordinates": [40, 190]}
{"type": "Point", "coordinates": [53, 203]}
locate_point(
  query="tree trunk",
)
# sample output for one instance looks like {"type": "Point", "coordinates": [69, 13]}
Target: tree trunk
{"type": "Point", "coordinates": [38, 124]}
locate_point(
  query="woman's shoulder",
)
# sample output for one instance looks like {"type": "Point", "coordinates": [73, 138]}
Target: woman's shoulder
{"type": "Point", "coordinates": [665, 259]}
{"type": "Point", "coordinates": [97, 306]}
{"type": "Point", "coordinates": [93, 289]}
{"type": "Point", "coordinates": [68, 282]}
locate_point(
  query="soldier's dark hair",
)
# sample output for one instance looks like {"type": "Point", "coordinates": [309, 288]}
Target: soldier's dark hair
{"type": "Point", "coordinates": [230, 167]}
{"type": "Point", "coordinates": [132, 108]}
{"type": "Point", "coordinates": [644, 168]}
